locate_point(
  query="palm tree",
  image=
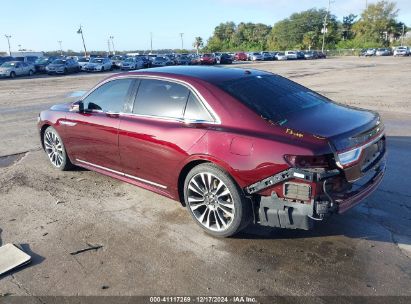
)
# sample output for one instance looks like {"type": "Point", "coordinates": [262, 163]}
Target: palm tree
{"type": "Point", "coordinates": [198, 43]}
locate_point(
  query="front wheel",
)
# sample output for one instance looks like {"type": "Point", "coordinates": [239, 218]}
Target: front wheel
{"type": "Point", "coordinates": [13, 75]}
{"type": "Point", "coordinates": [56, 152]}
{"type": "Point", "coordinates": [215, 201]}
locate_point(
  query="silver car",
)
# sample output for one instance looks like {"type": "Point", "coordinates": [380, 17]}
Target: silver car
{"type": "Point", "coordinates": [256, 57]}
{"type": "Point", "coordinates": [16, 68]}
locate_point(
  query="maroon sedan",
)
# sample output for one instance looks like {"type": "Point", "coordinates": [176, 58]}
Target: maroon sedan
{"type": "Point", "coordinates": [240, 56]}
{"type": "Point", "coordinates": [234, 146]}
{"type": "Point", "coordinates": [208, 59]}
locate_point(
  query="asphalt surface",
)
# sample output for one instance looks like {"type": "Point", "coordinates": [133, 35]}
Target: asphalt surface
{"type": "Point", "coordinates": [151, 246]}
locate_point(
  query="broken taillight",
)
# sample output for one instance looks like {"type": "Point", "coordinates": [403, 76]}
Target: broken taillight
{"type": "Point", "coordinates": [308, 161]}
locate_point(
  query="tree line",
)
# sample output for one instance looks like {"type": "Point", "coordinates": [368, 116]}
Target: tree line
{"type": "Point", "coordinates": [377, 26]}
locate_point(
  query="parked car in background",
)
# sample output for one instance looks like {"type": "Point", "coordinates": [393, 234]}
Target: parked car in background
{"type": "Point", "coordinates": [383, 52]}
{"type": "Point", "coordinates": [99, 64]}
{"type": "Point", "coordinates": [82, 62]}
{"type": "Point", "coordinates": [41, 63]}
{"type": "Point", "coordinates": [4, 59]}
{"type": "Point", "coordinates": [63, 66]}
{"type": "Point", "coordinates": [291, 55]}
{"type": "Point", "coordinates": [16, 68]}
{"type": "Point", "coordinates": [401, 51]}
{"type": "Point", "coordinates": [132, 63]}
{"type": "Point", "coordinates": [321, 55]}
{"type": "Point", "coordinates": [226, 59]}
{"type": "Point", "coordinates": [208, 59]}
{"type": "Point", "coordinates": [370, 52]}
{"type": "Point", "coordinates": [255, 56]}
{"type": "Point", "coordinates": [281, 56]}
{"type": "Point", "coordinates": [234, 146]}
{"type": "Point", "coordinates": [240, 56]}
{"type": "Point", "coordinates": [116, 61]}
{"type": "Point", "coordinates": [217, 56]}
{"type": "Point", "coordinates": [183, 60]}
{"type": "Point", "coordinates": [267, 56]}
{"type": "Point", "coordinates": [161, 61]}
{"type": "Point", "coordinates": [311, 55]}
{"type": "Point", "coordinates": [195, 59]}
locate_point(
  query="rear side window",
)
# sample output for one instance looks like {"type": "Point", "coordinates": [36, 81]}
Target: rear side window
{"type": "Point", "coordinates": [195, 110]}
{"type": "Point", "coordinates": [110, 97]}
{"type": "Point", "coordinates": [161, 98]}
{"type": "Point", "coordinates": [271, 96]}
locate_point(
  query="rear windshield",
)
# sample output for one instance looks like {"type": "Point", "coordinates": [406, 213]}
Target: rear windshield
{"type": "Point", "coordinates": [271, 96]}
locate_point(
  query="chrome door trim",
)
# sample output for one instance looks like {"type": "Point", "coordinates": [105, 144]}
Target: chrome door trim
{"type": "Point", "coordinates": [122, 174]}
{"type": "Point", "coordinates": [68, 123]}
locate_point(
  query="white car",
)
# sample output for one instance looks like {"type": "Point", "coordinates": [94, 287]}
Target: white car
{"type": "Point", "coordinates": [16, 68]}
{"type": "Point", "coordinates": [98, 65]}
{"type": "Point", "coordinates": [132, 63]}
{"type": "Point", "coordinates": [82, 62]}
{"type": "Point", "coordinates": [291, 55]}
{"type": "Point", "coordinates": [402, 51]}
{"type": "Point", "coordinates": [280, 56]}
{"type": "Point", "coordinates": [256, 57]}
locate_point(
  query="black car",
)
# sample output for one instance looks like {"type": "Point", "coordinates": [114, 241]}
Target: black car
{"type": "Point", "coordinates": [41, 63]}
{"type": "Point", "coordinates": [226, 59]}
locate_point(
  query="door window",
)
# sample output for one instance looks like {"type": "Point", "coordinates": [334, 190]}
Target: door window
{"type": "Point", "coordinates": [161, 98]}
{"type": "Point", "coordinates": [110, 97]}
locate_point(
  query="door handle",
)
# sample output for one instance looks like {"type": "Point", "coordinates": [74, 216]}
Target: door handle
{"type": "Point", "coordinates": [113, 114]}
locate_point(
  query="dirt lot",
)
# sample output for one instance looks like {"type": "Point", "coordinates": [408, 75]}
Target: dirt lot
{"type": "Point", "coordinates": [150, 244]}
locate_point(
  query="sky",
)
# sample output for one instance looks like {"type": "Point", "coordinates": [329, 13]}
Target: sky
{"type": "Point", "coordinates": [39, 25]}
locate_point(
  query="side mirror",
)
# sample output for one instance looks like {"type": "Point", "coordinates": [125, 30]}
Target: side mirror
{"type": "Point", "coordinates": [77, 107]}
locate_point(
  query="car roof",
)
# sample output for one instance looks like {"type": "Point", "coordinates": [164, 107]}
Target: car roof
{"type": "Point", "coordinates": [208, 74]}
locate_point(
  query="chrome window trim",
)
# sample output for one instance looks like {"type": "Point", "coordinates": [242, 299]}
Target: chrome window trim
{"type": "Point", "coordinates": [200, 98]}
{"type": "Point", "coordinates": [121, 174]}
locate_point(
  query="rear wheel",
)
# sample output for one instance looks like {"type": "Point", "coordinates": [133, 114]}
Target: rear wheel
{"type": "Point", "coordinates": [215, 201]}
{"type": "Point", "coordinates": [31, 73]}
{"type": "Point", "coordinates": [56, 152]}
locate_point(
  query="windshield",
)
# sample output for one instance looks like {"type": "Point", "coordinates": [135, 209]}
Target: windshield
{"type": "Point", "coordinates": [8, 65]}
{"type": "Point", "coordinates": [271, 96]}
{"type": "Point", "coordinates": [84, 60]}
{"type": "Point", "coordinates": [129, 59]}
{"type": "Point", "coordinates": [59, 61]}
{"type": "Point", "coordinates": [160, 59]}
{"type": "Point", "coordinates": [97, 60]}
{"type": "Point", "coordinates": [41, 60]}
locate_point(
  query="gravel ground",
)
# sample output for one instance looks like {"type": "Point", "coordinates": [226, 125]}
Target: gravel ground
{"type": "Point", "coordinates": [150, 245]}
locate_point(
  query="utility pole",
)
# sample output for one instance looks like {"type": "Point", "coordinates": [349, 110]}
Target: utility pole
{"type": "Point", "coordinates": [151, 42]}
{"type": "Point", "coordinates": [403, 33]}
{"type": "Point", "coordinates": [8, 41]}
{"type": "Point", "coordinates": [182, 41]}
{"type": "Point", "coordinates": [80, 31]}
{"type": "Point", "coordinates": [108, 45]}
{"type": "Point", "coordinates": [324, 30]}
{"type": "Point", "coordinates": [112, 43]}
{"type": "Point", "coordinates": [61, 49]}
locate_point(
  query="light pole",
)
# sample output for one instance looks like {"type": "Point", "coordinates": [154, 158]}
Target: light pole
{"type": "Point", "coordinates": [61, 48]}
{"type": "Point", "coordinates": [112, 43]}
{"type": "Point", "coordinates": [403, 33]}
{"type": "Point", "coordinates": [325, 30]}
{"type": "Point", "coordinates": [8, 41]}
{"type": "Point", "coordinates": [182, 41]}
{"type": "Point", "coordinates": [151, 42]}
{"type": "Point", "coordinates": [108, 45]}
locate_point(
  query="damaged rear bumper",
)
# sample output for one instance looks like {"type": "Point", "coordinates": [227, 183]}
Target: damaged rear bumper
{"type": "Point", "coordinates": [274, 211]}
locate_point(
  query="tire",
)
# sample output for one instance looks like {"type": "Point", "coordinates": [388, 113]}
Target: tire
{"type": "Point", "coordinates": [55, 150]}
{"type": "Point", "coordinates": [31, 73]}
{"type": "Point", "coordinates": [65, 71]}
{"type": "Point", "coordinates": [102, 69]}
{"type": "Point", "coordinates": [12, 74]}
{"type": "Point", "coordinates": [215, 201]}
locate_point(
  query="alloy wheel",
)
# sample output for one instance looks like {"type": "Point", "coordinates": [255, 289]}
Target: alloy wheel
{"type": "Point", "coordinates": [210, 201]}
{"type": "Point", "coordinates": [54, 148]}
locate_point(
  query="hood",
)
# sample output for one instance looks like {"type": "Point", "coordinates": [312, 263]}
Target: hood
{"type": "Point", "coordinates": [53, 65]}
{"type": "Point", "coordinates": [5, 69]}
{"type": "Point", "coordinates": [343, 126]}
{"type": "Point", "coordinates": [61, 107]}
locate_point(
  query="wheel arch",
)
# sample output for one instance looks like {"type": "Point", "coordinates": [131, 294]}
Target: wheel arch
{"type": "Point", "coordinates": [42, 131]}
{"type": "Point", "coordinates": [189, 165]}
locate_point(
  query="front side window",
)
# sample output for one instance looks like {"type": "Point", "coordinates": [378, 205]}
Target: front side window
{"type": "Point", "coordinates": [161, 98]}
{"type": "Point", "coordinates": [110, 97]}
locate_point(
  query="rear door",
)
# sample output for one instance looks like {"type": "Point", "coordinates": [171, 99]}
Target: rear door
{"type": "Point", "coordinates": [92, 136]}
{"type": "Point", "coordinates": [155, 138]}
